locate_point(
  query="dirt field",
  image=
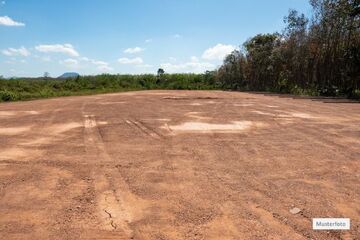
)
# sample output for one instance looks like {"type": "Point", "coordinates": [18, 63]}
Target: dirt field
{"type": "Point", "coordinates": [178, 165]}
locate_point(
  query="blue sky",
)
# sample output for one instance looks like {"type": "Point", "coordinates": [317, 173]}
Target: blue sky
{"type": "Point", "coordinates": [130, 36]}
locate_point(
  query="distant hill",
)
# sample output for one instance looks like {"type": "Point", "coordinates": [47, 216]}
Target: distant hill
{"type": "Point", "coordinates": [69, 75]}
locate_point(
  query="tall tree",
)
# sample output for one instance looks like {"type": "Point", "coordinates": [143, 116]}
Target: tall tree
{"type": "Point", "coordinates": [317, 56]}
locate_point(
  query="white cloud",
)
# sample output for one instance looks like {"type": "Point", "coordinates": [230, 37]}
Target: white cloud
{"type": "Point", "coordinates": [99, 62]}
{"type": "Point", "coordinates": [194, 66]}
{"type": "Point", "coordinates": [172, 59]}
{"type": "Point", "coordinates": [7, 21]}
{"type": "Point", "coordinates": [67, 49]}
{"type": "Point", "coordinates": [16, 52]}
{"type": "Point", "coordinates": [194, 59]}
{"type": "Point", "coordinates": [70, 61]}
{"type": "Point", "coordinates": [148, 40]}
{"type": "Point", "coordinates": [86, 63]}
{"type": "Point", "coordinates": [134, 50]}
{"type": "Point", "coordinates": [100, 65]}
{"type": "Point", "coordinates": [218, 52]}
{"type": "Point", "coordinates": [134, 61]}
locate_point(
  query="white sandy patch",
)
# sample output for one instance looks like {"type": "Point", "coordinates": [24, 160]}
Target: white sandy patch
{"type": "Point", "coordinates": [178, 97]}
{"type": "Point", "coordinates": [295, 115]}
{"type": "Point", "coordinates": [157, 119]}
{"type": "Point", "coordinates": [302, 115]}
{"type": "Point", "coordinates": [284, 114]}
{"type": "Point", "coordinates": [15, 113]}
{"type": "Point", "coordinates": [18, 154]}
{"type": "Point", "coordinates": [196, 115]}
{"type": "Point", "coordinates": [60, 128]}
{"type": "Point", "coordinates": [7, 113]}
{"type": "Point", "coordinates": [263, 113]}
{"type": "Point", "coordinates": [37, 141]}
{"type": "Point", "coordinates": [202, 103]}
{"type": "Point", "coordinates": [163, 119]}
{"type": "Point", "coordinates": [51, 134]}
{"type": "Point", "coordinates": [271, 106]}
{"type": "Point", "coordinates": [89, 122]}
{"type": "Point", "coordinates": [13, 130]}
{"type": "Point", "coordinates": [286, 121]}
{"type": "Point", "coordinates": [235, 126]}
{"type": "Point", "coordinates": [243, 104]}
{"type": "Point", "coordinates": [102, 122]}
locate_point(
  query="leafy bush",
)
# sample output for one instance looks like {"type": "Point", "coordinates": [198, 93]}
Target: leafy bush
{"type": "Point", "coordinates": [356, 94]}
{"type": "Point", "coordinates": [7, 96]}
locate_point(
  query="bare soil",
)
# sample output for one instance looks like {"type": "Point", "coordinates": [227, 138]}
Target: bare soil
{"type": "Point", "coordinates": [178, 165]}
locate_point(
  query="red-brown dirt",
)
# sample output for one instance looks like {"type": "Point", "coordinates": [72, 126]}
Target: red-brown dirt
{"type": "Point", "coordinates": [178, 165]}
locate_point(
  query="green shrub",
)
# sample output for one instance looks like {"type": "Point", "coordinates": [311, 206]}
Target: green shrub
{"type": "Point", "coordinates": [7, 96]}
{"type": "Point", "coordinates": [356, 94]}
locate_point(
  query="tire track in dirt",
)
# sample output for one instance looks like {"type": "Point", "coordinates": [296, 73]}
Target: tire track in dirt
{"type": "Point", "coordinates": [95, 148]}
{"type": "Point", "coordinates": [113, 194]}
{"type": "Point", "coordinates": [198, 216]}
{"type": "Point", "coordinates": [144, 129]}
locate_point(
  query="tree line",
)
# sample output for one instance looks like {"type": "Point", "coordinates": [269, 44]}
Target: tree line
{"type": "Point", "coordinates": [319, 55]}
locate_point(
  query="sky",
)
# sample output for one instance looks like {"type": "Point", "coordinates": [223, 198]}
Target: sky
{"type": "Point", "coordinates": [130, 36]}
